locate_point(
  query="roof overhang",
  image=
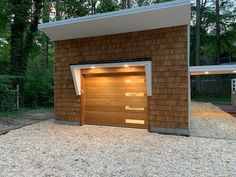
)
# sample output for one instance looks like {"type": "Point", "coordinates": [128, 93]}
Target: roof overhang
{"type": "Point", "coordinates": [168, 14]}
{"type": "Point", "coordinates": [213, 69]}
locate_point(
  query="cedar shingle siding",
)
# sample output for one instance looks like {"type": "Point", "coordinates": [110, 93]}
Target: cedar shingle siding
{"type": "Point", "coordinates": [167, 47]}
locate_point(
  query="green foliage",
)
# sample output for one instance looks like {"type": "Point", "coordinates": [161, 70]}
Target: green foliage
{"type": "Point", "coordinates": [211, 98]}
{"type": "Point", "coordinates": [4, 55]}
{"type": "Point", "coordinates": [74, 8]}
{"type": "Point", "coordinates": [148, 2]}
{"type": "Point", "coordinates": [7, 97]}
{"type": "Point", "coordinates": [38, 85]}
{"type": "Point", "coordinates": [208, 23]}
{"type": "Point", "coordinates": [13, 114]}
{"type": "Point", "coordinates": [23, 26]}
{"type": "Point", "coordinates": [4, 38]}
{"type": "Point", "coordinates": [107, 6]}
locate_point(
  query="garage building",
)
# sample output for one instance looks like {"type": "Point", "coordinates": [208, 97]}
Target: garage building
{"type": "Point", "coordinates": [126, 68]}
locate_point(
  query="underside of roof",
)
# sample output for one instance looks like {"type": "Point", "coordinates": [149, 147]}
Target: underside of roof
{"type": "Point", "coordinates": [168, 14]}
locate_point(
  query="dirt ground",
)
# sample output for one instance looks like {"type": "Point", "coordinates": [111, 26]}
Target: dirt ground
{"type": "Point", "coordinates": [30, 117]}
{"type": "Point", "coordinates": [208, 120]}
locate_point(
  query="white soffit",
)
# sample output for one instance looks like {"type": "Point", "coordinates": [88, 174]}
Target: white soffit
{"type": "Point", "coordinates": [160, 15]}
{"type": "Point", "coordinates": [213, 69]}
{"type": "Point", "coordinates": [76, 72]}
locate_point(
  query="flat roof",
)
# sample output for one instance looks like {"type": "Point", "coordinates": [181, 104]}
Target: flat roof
{"type": "Point", "coordinates": [167, 14]}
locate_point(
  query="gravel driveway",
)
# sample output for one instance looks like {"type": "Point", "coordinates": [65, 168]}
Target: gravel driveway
{"type": "Point", "coordinates": [48, 149]}
{"type": "Point", "coordinates": [208, 120]}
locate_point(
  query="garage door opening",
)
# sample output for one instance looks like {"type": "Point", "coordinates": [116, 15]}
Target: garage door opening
{"type": "Point", "coordinates": [115, 97]}
{"type": "Point", "coordinates": [114, 93]}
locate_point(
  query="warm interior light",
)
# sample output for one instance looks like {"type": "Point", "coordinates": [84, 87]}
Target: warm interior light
{"type": "Point", "coordinates": [93, 67]}
{"type": "Point", "coordinates": [206, 72]}
{"type": "Point", "coordinates": [126, 66]}
{"type": "Point", "coordinates": [134, 121]}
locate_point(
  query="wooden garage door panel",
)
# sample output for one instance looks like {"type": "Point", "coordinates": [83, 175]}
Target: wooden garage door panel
{"type": "Point", "coordinates": [116, 95]}
{"type": "Point", "coordinates": [115, 108]}
{"type": "Point", "coordinates": [109, 101]}
{"type": "Point", "coordinates": [114, 98]}
{"type": "Point", "coordinates": [115, 115]}
{"type": "Point", "coordinates": [114, 118]}
{"type": "Point", "coordinates": [117, 86]}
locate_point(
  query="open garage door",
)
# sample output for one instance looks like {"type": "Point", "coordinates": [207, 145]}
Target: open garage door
{"type": "Point", "coordinates": [117, 99]}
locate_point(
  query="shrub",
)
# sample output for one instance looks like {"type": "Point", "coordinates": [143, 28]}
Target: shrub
{"type": "Point", "coordinates": [38, 89]}
{"type": "Point", "coordinates": [7, 96]}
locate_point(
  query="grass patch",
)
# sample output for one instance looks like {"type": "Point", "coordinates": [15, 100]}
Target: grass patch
{"type": "Point", "coordinates": [14, 114]}
{"type": "Point", "coordinates": [212, 99]}
{"type": "Point", "coordinates": [21, 111]}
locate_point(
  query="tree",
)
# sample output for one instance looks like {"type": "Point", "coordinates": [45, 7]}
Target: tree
{"type": "Point", "coordinates": [107, 6]}
{"type": "Point", "coordinates": [4, 37]}
{"type": "Point", "coordinates": [123, 4]}
{"type": "Point", "coordinates": [218, 48]}
{"type": "Point", "coordinates": [45, 39]}
{"type": "Point", "coordinates": [74, 8]}
{"type": "Point", "coordinates": [93, 6]}
{"type": "Point", "coordinates": [129, 3]}
{"type": "Point", "coordinates": [25, 18]}
{"type": "Point", "coordinates": [58, 9]}
{"type": "Point", "coordinates": [198, 43]}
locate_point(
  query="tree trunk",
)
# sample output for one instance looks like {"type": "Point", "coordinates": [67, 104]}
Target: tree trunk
{"type": "Point", "coordinates": [218, 47]}
{"type": "Point", "coordinates": [198, 44]}
{"type": "Point", "coordinates": [33, 28]}
{"type": "Point", "coordinates": [129, 3]}
{"type": "Point", "coordinates": [123, 4]}
{"type": "Point", "coordinates": [93, 6]}
{"type": "Point", "coordinates": [19, 23]}
{"type": "Point", "coordinates": [22, 35]}
{"type": "Point", "coordinates": [58, 10]}
{"type": "Point", "coordinates": [45, 39]}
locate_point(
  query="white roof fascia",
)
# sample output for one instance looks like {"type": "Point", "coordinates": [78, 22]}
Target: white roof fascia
{"type": "Point", "coordinates": [174, 13]}
{"type": "Point", "coordinates": [213, 69]}
{"type": "Point", "coordinates": [115, 13]}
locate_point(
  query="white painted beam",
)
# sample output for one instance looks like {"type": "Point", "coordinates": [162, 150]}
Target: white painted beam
{"type": "Point", "coordinates": [213, 69]}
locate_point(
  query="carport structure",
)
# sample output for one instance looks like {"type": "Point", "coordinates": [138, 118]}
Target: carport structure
{"type": "Point", "coordinates": [217, 70]}
{"type": "Point", "coordinates": [209, 119]}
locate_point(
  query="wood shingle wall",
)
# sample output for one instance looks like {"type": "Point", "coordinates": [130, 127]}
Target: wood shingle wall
{"type": "Point", "coordinates": [167, 47]}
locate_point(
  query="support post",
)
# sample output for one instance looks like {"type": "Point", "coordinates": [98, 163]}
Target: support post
{"type": "Point", "coordinates": [17, 97]}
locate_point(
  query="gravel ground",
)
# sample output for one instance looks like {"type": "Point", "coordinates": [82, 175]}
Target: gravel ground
{"type": "Point", "coordinates": [207, 120]}
{"type": "Point", "coordinates": [52, 150]}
